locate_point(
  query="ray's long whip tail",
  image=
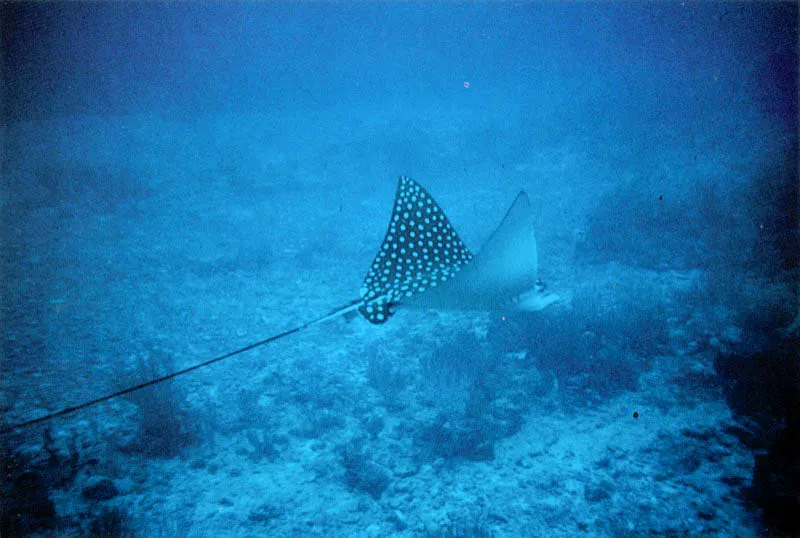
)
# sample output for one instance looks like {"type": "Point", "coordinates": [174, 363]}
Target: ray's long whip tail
{"type": "Point", "coordinates": [342, 310]}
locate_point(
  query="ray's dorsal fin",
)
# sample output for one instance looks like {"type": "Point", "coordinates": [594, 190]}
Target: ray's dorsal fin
{"type": "Point", "coordinates": [421, 250]}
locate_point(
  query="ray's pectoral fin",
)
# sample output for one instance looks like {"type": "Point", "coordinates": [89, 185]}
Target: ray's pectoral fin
{"type": "Point", "coordinates": [420, 252]}
{"type": "Point", "coordinates": [503, 273]}
{"type": "Point", "coordinates": [422, 262]}
{"type": "Point", "coordinates": [507, 266]}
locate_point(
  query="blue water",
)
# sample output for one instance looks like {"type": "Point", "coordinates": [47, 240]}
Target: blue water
{"type": "Point", "coordinates": [182, 180]}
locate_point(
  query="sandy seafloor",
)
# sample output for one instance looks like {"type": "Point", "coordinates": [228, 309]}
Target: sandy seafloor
{"type": "Point", "coordinates": [189, 239]}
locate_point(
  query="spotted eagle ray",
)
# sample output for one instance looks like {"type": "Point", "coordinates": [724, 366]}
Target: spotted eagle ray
{"type": "Point", "coordinates": [422, 263]}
